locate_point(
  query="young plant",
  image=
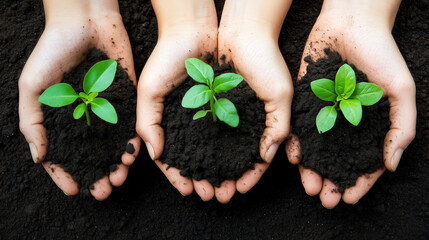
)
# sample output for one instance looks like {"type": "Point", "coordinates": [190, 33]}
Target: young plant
{"type": "Point", "coordinates": [201, 94]}
{"type": "Point", "coordinates": [96, 80]}
{"type": "Point", "coordinates": [346, 95]}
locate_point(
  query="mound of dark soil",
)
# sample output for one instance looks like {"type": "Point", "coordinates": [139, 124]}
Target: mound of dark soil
{"type": "Point", "coordinates": [89, 153]}
{"type": "Point", "coordinates": [203, 149]}
{"type": "Point", "coordinates": [345, 152]}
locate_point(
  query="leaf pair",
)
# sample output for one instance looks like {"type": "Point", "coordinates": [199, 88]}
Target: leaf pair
{"type": "Point", "coordinates": [347, 96]}
{"type": "Point", "coordinates": [201, 94]}
{"type": "Point", "coordinates": [96, 80]}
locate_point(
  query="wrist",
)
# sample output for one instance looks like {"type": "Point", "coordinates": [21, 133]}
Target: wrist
{"type": "Point", "coordinates": [377, 13]}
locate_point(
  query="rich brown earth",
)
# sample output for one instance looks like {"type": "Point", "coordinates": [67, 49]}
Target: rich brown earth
{"type": "Point", "coordinates": [148, 207]}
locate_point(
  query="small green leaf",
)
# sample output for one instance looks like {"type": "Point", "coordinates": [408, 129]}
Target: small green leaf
{"type": "Point", "coordinates": [200, 114]}
{"type": "Point", "coordinates": [196, 96]}
{"type": "Point", "coordinates": [326, 118]}
{"type": "Point", "coordinates": [226, 81]}
{"type": "Point", "coordinates": [367, 93]}
{"type": "Point", "coordinates": [324, 89]}
{"type": "Point", "coordinates": [226, 112]}
{"type": "Point", "coordinates": [100, 76]}
{"type": "Point", "coordinates": [92, 95]}
{"type": "Point", "coordinates": [83, 95]}
{"type": "Point", "coordinates": [352, 110]}
{"type": "Point", "coordinates": [105, 110]}
{"type": "Point", "coordinates": [58, 95]}
{"type": "Point", "coordinates": [345, 81]}
{"type": "Point", "coordinates": [199, 71]}
{"type": "Point", "coordinates": [79, 111]}
{"type": "Point", "coordinates": [339, 98]}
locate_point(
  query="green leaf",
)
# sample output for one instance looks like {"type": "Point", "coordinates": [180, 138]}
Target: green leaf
{"type": "Point", "coordinates": [345, 81]}
{"type": "Point", "coordinates": [352, 110]}
{"type": "Point", "coordinates": [326, 118]}
{"type": "Point", "coordinates": [367, 93]}
{"type": "Point", "coordinates": [79, 111]}
{"type": "Point", "coordinates": [226, 112]}
{"type": "Point", "coordinates": [92, 95]}
{"type": "Point", "coordinates": [199, 71]}
{"type": "Point", "coordinates": [58, 95]}
{"type": "Point", "coordinates": [83, 95]}
{"type": "Point", "coordinates": [226, 81]}
{"type": "Point", "coordinates": [200, 114]}
{"type": "Point", "coordinates": [324, 89]}
{"type": "Point", "coordinates": [100, 76]}
{"type": "Point", "coordinates": [196, 96]}
{"type": "Point", "coordinates": [105, 110]}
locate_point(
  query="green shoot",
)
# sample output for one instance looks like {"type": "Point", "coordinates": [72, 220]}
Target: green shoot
{"type": "Point", "coordinates": [201, 94]}
{"type": "Point", "coordinates": [347, 96]}
{"type": "Point", "coordinates": [96, 80]}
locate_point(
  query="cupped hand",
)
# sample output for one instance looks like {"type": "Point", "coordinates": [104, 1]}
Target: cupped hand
{"type": "Point", "coordinates": [62, 47]}
{"type": "Point", "coordinates": [363, 38]}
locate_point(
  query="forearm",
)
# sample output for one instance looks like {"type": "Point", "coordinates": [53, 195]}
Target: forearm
{"type": "Point", "coordinates": [263, 17]}
{"type": "Point", "coordinates": [382, 12]}
{"type": "Point", "coordinates": [75, 11]}
{"type": "Point", "coordinates": [184, 16]}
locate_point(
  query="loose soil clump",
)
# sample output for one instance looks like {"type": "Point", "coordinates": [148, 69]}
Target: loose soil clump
{"type": "Point", "coordinates": [203, 149]}
{"type": "Point", "coordinates": [89, 153]}
{"type": "Point", "coordinates": [345, 152]}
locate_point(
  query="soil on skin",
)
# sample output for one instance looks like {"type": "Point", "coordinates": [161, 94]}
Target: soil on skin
{"type": "Point", "coordinates": [345, 152]}
{"type": "Point", "coordinates": [148, 207]}
{"type": "Point", "coordinates": [203, 149]}
{"type": "Point", "coordinates": [89, 153]}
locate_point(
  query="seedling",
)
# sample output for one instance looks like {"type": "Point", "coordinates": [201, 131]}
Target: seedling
{"type": "Point", "coordinates": [96, 80]}
{"type": "Point", "coordinates": [347, 96]}
{"type": "Point", "coordinates": [201, 94]}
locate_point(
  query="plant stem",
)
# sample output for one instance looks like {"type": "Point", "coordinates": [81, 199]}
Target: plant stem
{"type": "Point", "coordinates": [212, 109]}
{"type": "Point", "coordinates": [88, 121]}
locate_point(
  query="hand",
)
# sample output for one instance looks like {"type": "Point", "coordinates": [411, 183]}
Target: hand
{"type": "Point", "coordinates": [72, 28]}
{"type": "Point", "coordinates": [248, 39]}
{"type": "Point", "coordinates": [186, 29]}
{"type": "Point", "coordinates": [361, 33]}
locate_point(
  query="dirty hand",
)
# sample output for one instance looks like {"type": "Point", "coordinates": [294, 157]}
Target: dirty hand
{"type": "Point", "coordinates": [187, 29]}
{"type": "Point", "coordinates": [72, 29]}
{"type": "Point", "coordinates": [360, 31]}
{"type": "Point", "coordinates": [248, 40]}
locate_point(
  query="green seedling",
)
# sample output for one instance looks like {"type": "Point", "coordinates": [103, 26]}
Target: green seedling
{"type": "Point", "coordinates": [96, 80]}
{"type": "Point", "coordinates": [347, 96]}
{"type": "Point", "coordinates": [201, 94]}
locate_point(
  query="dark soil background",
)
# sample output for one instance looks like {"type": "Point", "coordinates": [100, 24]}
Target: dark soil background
{"type": "Point", "coordinates": [89, 153]}
{"type": "Point", "coordinates": [148, 207]}
{"type": "Point", "coordinates": [345, 152]}
{"type": "Point", "coordinates": [203, 149]}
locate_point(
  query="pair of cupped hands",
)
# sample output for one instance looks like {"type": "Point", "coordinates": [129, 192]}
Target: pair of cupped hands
{"type": "Point", "coordinates": [247, 38]}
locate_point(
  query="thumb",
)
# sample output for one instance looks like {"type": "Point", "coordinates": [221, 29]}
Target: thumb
{"type": "Point", "coordinates": [403, 116]}
{"type": "Point", "coordinates": [30, 122]}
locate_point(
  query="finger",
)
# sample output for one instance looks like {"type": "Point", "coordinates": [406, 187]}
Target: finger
{"type": "Point", "coordinates": [226, 191]}
{"type": "Point", "coordinates": [363, 184]}
{"type": "Point", "coordinates": [118, 177]}
{"type": "Point", "coordinates": [251, 177]}
{"type": "Point", "coordinates": [101, 189]}
{"type": "Point", "coordinates": [204, 189]}
{"type": "Point", "coordinates": [293, 149]}
{"type": "Point", "coordinates": [182, 184]}
{"type": "Point", "coordinates": [403, 116]}
{"type": "Point", "coordinates": [61, 178]}
{"type": "Point", "coordinates": [132, 151]}
{"type": "Point", "coordinates": [311, 181]}
{"type": "Point", "coordinates": [329, 196]}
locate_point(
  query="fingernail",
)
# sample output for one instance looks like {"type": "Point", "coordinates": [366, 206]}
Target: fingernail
{"type": "Point", "coordinates": [150, 150]}
{"type": "Point", "coordinates": [34, 153]}
{"type": "Point", "coordinates": [66, 194]}
{"type": "Point", "coordinates": [396, 158]}
{"type": "Point", "coordinates": [355, 202]}
{"type": "Point", "coordinates": [269, 155]}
